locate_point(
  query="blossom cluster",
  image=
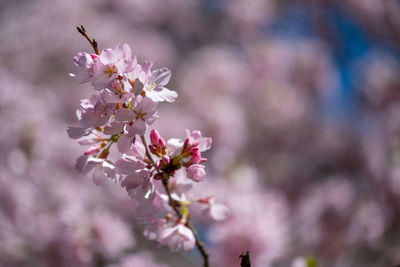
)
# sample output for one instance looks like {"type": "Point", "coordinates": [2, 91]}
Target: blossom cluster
{"type": "Point", "coordinates": [158, 176]}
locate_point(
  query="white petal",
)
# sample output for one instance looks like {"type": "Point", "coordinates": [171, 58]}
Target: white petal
{"type": "Point", "coordinates": [161, 76]}
{"type": "Point", "coordinates": [168, 95]}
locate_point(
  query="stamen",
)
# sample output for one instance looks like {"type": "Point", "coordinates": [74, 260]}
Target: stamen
{"type": "Point", "coordinates": [151, 86]}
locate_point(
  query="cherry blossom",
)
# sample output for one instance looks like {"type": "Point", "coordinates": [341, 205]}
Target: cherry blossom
{"type": "Point", "coordinates": [159, 176]}
{"type": "Point", "coordinates": [154, 82]}
{"type": "Point", "coordinates": [177, 236]}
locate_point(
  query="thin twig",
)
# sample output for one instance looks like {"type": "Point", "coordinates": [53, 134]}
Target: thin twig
{"type": "Point", "coordinates": [174, 205]}
{"type": "Point", "coordinates": [93, 42]}
{"type": "Point", "coordinates": [199, 244]}
{"type": "Point", "coordinates": [245, 262]}
{"type": "Point", "coordinates": [171, 201]}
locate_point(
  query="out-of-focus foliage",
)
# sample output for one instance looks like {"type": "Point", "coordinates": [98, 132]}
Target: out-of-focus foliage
{"type": "Point", "coordinates": [302, 99]}
{"type": "Point", "coordinates": [311, 262]}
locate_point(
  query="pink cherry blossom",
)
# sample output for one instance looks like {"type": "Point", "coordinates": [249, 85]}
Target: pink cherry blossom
{"type": "Point", "coordinates": [154, 82]}
{"type": "Point", "coordinates": [83, 69]}
{"type": "Point", "coordinates": [112, 63]}
{"type": "Point", "coordinates": [103, 169]}
{"type": "Point", "coordinates": [203, 143]}
{"type": "Point", "coordinates": [118, 114]}
{"type": "Point", "coordinates": [215, 211]}
{"type": "Point", "coordinates": [177, 236]}
{"type": "Point", "coordinates": [143, 113]}
{"type": "Point", "coordinates": [95, 112]}
{"type": "Point", "coordinates": [146, 114]}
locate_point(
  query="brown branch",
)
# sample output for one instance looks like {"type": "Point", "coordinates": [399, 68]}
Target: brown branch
{"type": "Point", "coordinates": [93, 42]}
{"type": "Point", "coordinates": [175, 206]}
{"type": "Point", "coordinates": [245, 259]}
{"type": "Point", "coordinates": [173, 203]}
{"type": "Point", "coordinates": [199, 244]}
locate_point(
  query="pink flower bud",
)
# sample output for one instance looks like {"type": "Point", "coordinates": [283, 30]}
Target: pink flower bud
{"type": "Point", "coordinates": [196, 172]}
{"type": "Point", "coordinates": [154, 137]}
{"type": "Point", "coordinates": [194, 150]}
{"type": "Point", "coordinates": [93, 150]}
{"type": "Point", "coordinates": [165, 159]}
{"type": "Point", "coordinates": [195, 159]}
{"type": "Point", "coordinates": [161, 143]}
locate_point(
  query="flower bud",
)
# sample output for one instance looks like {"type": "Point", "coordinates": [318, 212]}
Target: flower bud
{"type": "Point", "coordinates": [165, 159]}
{"type": "Point", "coordinates": [154, 137]}
{"type": "Point", "coordinates": [196, 172]}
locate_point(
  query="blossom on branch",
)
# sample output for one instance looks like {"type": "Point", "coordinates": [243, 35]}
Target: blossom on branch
{"type": "Point", "coordinates": [158, 176]}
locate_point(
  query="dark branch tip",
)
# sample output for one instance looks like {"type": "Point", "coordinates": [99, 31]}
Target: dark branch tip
{"type": "Point", "coordinates": [245, 259]}
{"type": "Point", "coordinates": [80, 30]}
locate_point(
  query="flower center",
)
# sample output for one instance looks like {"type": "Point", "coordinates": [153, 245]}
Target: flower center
{"type": "Point", "coordinates": [140, 115]}
{"type": "Point", "coordinates": [110, 70]}
{"type": "Point", "coordinates": [150, 86]}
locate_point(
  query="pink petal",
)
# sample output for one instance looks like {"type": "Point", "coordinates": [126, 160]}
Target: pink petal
{"type": "Point", "coordinates": [123, 51]}
{"type": "Point", "coordinates": [138, 150]}
{"type": "Point", "coordinates": [109, 97]}
{"type": "Point", "coordinates": [80, 163]}
{"type": "Point", "coordinates": [132, 181]}
{"type": "Point", "coordinates": [108, 56]}
{"type": "Point", "coordinates": [140, 127]}
{"type": "Point", "coordinates": [114, 128]}
{"type": "Point", "coordinates": [161, 76]}
{"type": "Point", "coordinates": [75, 132]}
{"type": "Point", "coordinates": [146, 68]}
{"type": "Point", "coordinates": [205, 144]}
{"type": "Point", "coordinates": [123, 144]}
{"type": "Point", "coordinates": [147, 105]}
{"type": "Point", "coordinates": [168, 95]}
{"type": "Point", "coordinates": [124, 114]}
{"type": "Point", "coordinates": [127, 167]}
{"type": "Point", "coordinates": [174, 243]}
{"type": "Point", "coordinates": [99, 177]}
{"type": "Point", "coordinates": [216, 212]}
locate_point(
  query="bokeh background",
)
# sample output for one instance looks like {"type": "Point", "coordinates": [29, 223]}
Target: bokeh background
{"type": "Point", "coordinates": [302, 99]}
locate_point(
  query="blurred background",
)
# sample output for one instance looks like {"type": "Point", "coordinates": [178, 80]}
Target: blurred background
{"type": "Point", "coordinates": [301, 98]}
